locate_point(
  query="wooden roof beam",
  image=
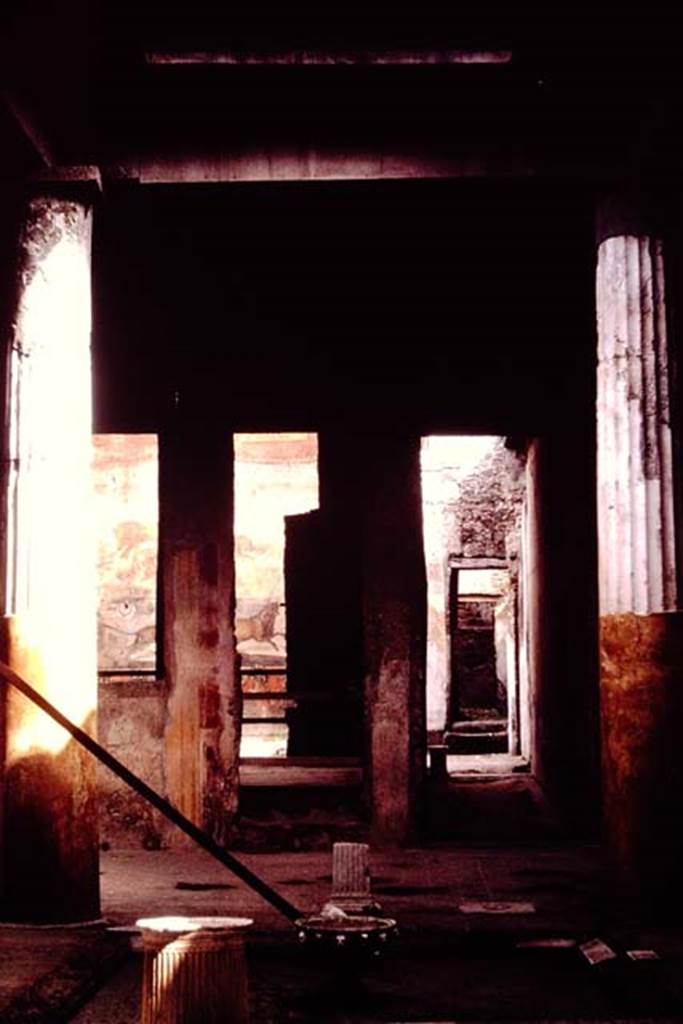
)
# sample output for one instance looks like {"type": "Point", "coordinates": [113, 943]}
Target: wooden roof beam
{"type": "Point", "coordinates": [328, 58]}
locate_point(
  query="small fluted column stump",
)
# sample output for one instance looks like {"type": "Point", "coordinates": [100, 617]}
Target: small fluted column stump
{"type": "Point", "coordinates": [351, 878]}
{"type": "Point", "coordinates": [194, 970]}
{"type": "Point", "coordinates": [641, 627]}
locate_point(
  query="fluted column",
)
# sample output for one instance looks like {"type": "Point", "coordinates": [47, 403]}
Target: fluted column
{"type": "Point", "coordinates": [194, 970]}
{"type": "Point", "coordinates": [47, 574]}
{"type": "Point", "coordinates": [637, 554]}
{"type": "Point", "coordinates": [641, 629]}
{"type": "Point", "coordinates": [351, 878]}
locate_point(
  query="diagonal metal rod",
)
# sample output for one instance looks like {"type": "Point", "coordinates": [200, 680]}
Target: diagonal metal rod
{"type": "Point", "coordinates": [167, 809]}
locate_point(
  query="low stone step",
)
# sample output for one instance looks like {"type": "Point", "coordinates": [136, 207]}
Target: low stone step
{"type": "Point", "coordinates": [478, 736]}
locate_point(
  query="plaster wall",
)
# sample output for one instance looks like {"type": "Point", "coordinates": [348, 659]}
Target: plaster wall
{"type": "Point", "coordinates": [131, 719]}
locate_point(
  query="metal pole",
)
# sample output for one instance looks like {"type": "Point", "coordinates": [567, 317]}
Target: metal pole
{"type": "Point", "coordinates": [168, 810]}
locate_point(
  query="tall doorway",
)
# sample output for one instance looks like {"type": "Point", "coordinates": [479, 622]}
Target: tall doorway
{"type": "Point", "coordinates": [472, 490]}
{"type": "Point", "coordinates": [276, 476]}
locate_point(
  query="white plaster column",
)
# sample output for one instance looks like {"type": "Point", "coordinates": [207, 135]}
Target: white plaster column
{"type": "Point", "coordinates": [641, 628]}
{"type": "Point", "coordinates": [636, 534]}
{"type": "Point", "coordinates": [47, 575]}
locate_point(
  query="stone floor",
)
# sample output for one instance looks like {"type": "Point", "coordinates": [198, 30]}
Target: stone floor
{"type": "Point", "coordinates": [47, 973]}
{"type": "Point", "coordinates": [422, 888]}
{"type": "Point", "coordinates": [452, 960]}
{"type": "Point", "coordinates": [447, 964]}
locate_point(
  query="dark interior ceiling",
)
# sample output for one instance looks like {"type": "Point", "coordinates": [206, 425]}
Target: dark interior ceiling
{"type": "Point", "coordinates": [581, 75]}
{"type": "Point", "coordinates": [442, 305]}
{"type": "Point", "coordinates": [431, 304]}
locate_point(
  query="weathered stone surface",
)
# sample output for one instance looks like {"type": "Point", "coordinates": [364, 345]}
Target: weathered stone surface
{"type": "Point", "coordinates": [641, 679]}
{"type": "Point", "coordinates": [395, 612]}
{"type": "Point", "coordinates": [203, 727]}
{"type": "Point", "coordinates": [131, 717]}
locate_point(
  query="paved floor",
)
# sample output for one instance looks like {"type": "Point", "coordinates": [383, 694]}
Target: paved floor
{"type": "Point", "coordinates": [421, 888]}
{"type": "Point", "coordinates": [46, 973]}
{"type": "Point", "coordinates": [454, 959]}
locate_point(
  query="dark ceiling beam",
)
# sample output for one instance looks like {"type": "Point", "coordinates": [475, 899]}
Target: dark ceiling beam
{"type": "Point", "coordinates": [311, 163]}
{"type": "Point", "coordinates": [328, 58]}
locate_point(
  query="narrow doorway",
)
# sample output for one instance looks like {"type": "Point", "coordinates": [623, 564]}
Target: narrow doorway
{"type": "Point", "coordinates": [482, 627]}
{"type": "Point", "coordinates": [472, 492]}
{"type": "Point", "coordinates": [276, 476]}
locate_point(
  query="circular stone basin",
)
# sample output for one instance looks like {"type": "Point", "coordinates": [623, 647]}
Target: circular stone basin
{"type": "Point", "coordinates": [493, 726]}
{"type": "Point", "coordinates": [352, 936]}
{"type": "Point", "coordinates": [478, 736]}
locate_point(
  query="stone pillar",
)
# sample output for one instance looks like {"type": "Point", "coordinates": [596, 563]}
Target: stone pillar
{"type": "Point", "coordinates": [395, 617]}
{"type": "Point", "coordinates": [47, 569]}
{"type": "Point", "coordinates": [204, 711]}
{"type": "Point", "coordinates": [641, 629]}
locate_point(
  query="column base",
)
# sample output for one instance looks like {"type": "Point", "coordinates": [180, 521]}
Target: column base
{"type": "Point", "coordinates": [641, 683]}
{"type": "Point", "coordinates": [194, 970]}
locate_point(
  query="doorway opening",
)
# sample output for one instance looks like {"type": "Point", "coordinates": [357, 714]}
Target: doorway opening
{"type": "Point", "coordinates": [483, 691]}
{"type": "Point", "coordinates": [472, 493]}
{"type": "Point", "coordinates": [276, 475]}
